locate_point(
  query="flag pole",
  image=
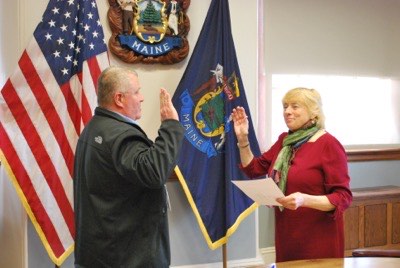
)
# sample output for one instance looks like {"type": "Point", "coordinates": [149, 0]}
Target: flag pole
{"type": "Point", "coordinates": [224, 261]}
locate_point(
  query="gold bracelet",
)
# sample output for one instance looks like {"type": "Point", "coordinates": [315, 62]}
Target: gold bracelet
{"type": "Point", "coordinates": [244, 146]}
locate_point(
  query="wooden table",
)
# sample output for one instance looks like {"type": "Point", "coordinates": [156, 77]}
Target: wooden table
{"type": "Point", "coordinates": [364, 262]}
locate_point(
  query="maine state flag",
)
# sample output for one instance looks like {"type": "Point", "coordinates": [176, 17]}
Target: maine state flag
{"type": "Point", "coordinates": [208, 91]}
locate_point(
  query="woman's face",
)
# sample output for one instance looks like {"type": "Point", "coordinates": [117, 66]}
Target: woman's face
{"type": "Point", "coordinates": [296, 115]}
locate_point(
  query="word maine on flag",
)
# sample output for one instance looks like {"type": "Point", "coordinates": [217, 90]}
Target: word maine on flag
{"type": "Point", "coordinates": [208, 91]}
{"type": "Point", "coordinates": [43, 107]}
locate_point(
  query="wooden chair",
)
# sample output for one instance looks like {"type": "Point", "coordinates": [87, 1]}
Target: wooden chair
{"type": "Point", "coordinates": [394, 253]}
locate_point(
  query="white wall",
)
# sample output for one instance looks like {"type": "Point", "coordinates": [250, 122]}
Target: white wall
{"type": "Point", "coordinates": [12, 216]}
{"type": "Point", "coordinates": [344, 37]}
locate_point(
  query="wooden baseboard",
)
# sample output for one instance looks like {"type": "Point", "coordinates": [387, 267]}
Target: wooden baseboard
{"type": "Point", "coordinates": [233, 264]}
{"type": "Point", "coordinates": [268, 255]}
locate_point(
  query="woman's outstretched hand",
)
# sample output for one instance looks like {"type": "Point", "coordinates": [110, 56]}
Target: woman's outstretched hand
{"type": "Point", "coordinates": [240, 123]}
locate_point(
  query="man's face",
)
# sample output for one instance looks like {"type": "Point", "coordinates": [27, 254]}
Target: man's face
{"type": "Point", "coordinates": [132, 99]}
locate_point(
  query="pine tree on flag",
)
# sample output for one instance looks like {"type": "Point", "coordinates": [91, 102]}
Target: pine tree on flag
{"type": "Point", "coordinates": [44, 105]}
{"type": "Point", "coordinates": [208, 91]}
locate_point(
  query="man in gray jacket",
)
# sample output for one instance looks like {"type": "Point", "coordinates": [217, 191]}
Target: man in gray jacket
{"type": "Point", "coordinates": [120, 197]}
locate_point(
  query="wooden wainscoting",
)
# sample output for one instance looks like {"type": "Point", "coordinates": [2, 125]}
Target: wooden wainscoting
{"type": "Point", "coordinates": [373, 219]}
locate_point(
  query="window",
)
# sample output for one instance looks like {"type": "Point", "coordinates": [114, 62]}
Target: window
{"type": "Point", "coordinates": [361, 112]}
{"type": "Point", "coordinates": [353, 50]}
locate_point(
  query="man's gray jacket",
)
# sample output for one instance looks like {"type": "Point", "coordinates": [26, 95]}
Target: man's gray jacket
{"type": "Point", "coordinates": [119, 192]}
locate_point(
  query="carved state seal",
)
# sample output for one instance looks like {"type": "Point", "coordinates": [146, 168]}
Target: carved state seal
{"type": "Point", "coordinates": [149, 31]}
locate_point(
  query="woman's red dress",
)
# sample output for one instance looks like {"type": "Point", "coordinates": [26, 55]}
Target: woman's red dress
{"type": "Point", "coordinates": [317, 168]}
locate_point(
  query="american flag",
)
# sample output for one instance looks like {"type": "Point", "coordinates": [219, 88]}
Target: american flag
{"type": "Point", "coordinates": [44, 105]}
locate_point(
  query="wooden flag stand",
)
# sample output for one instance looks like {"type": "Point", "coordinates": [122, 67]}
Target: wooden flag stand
{"type": "Point", "coordinates": [224, 256]}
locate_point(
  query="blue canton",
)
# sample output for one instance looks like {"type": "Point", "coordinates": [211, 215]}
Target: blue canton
{"type": "Point", "coordinates": [69, 38]}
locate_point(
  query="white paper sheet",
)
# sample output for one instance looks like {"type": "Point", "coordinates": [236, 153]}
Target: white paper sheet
{"type": "Point", "coordinates": [262, 191]}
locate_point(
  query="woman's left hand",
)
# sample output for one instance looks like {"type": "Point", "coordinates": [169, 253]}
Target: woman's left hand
{"type": "Point", "coordinates": [292, 201]}
{"type": "Point", "coordinates": [296, 200]}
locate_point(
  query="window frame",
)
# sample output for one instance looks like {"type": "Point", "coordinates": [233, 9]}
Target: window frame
{"type": "Point", "coordinates": [373, 154]}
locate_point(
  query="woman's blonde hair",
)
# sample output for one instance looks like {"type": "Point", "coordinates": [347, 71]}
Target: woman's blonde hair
{"type": "Point", "coordinates": [311, 99]}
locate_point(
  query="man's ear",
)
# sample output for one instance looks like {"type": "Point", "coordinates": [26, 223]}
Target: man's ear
{"type": "Point", "coordinates": [118, 99]}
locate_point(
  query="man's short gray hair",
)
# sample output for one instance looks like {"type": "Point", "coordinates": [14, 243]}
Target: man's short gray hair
{"type": "Point", "coordinates": [111, 80]}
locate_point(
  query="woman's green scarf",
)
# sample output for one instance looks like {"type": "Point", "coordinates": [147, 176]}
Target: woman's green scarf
{"type": "Point", "coordinates": [290, 142]}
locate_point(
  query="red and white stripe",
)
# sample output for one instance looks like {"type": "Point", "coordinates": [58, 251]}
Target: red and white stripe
{"type": "Point", "coordinates": [40, 126]}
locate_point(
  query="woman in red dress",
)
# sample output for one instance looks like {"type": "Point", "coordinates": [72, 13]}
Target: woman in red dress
{"type": "Point", "coordinates": [310, 167]}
